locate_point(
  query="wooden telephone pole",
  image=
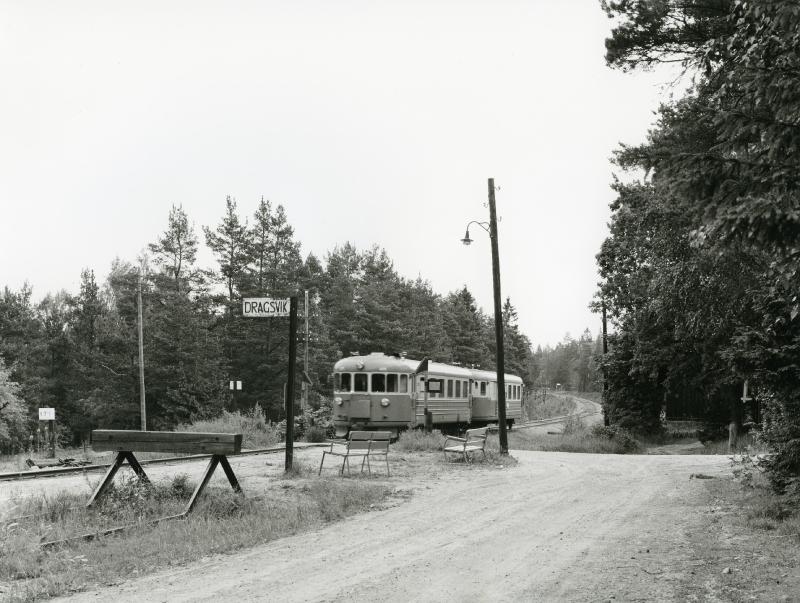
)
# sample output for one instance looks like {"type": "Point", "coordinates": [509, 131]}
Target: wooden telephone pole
{"type": "Point", "coordinates": [606, 419]}
{"type": "Point", "coordinates": [498, 323]}
{"type": "Point", "coordinates": [142, 406]}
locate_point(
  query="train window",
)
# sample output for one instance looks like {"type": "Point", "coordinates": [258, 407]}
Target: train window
{"type": "Point", "coordinates": [391, 383]}
{"type": "Point", "coordinates": [341, 382]}
{"type": "Point", "coordinates": [483, 388]}
{"type": "Point", "coordinates": [465, 388]}
{"type": "Point", "coordinates": [360, 382]}
{"type": "Point", "coordinates": [449, 388]}
{"type": "Point", "coordinates": [458, 389]}
{"type": "Point", "coordinates": [403, 384]}
{"type": "Point", "coordinates": [378, 382]}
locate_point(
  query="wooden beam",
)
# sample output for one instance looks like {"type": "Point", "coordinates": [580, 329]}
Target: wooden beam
{"type": "Point", "coordinates": [166, 441]}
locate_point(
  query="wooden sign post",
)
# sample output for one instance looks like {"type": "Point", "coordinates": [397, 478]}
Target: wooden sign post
{"type": "Point", "coordinates": [49, 415]}
{"type": "Point", "coordinates": [262, 307]}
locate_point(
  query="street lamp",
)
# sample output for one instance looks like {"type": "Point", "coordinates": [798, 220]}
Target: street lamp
{"type": "Point", "coordinates": [491, 228]}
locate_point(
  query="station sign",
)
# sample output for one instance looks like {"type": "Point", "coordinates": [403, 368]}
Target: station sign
{"type": "Point", "coordinates": [264, 307]}
{"type": "Point", "coordinates": [47, 414]}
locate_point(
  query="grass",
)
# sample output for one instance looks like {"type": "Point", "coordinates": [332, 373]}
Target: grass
{"type": "Point", "coordinates": [222, 522]}
{"type": "Point", "coordinates": [754, 533]}
{"type": "Point", "coordinates": [545, 407]}
{"type": "Point", "coordinates": [576, 437]}
{"type": "Point", "coordinates": [417, 440]}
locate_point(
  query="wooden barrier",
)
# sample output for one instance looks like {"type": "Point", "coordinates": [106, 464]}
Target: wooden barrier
{"type": "Point", "coordinates": [125, 443]}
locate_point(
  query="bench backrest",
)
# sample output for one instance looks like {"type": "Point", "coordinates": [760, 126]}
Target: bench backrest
{"type": "Point", "coordinates": [476, 435]}
{"type": "Point", "coordinates": [166, 441]}
{"type": "Point", "coordinates": [369, 440]}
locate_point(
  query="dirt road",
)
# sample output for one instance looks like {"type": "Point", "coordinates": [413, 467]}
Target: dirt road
{"type": "Point", "coordinates": [557, 526]}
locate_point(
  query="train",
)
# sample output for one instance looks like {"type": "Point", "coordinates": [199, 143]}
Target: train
{"type": "Point", "coordinates": [388, 392]}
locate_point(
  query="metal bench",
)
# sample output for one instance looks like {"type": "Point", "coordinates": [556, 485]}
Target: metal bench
{"type": "Point", "coordinates": [125, 443]}
{"type": "Point", "coordinates": [473, 441]}
{"type": "Point", "coordinates": [364, 444]}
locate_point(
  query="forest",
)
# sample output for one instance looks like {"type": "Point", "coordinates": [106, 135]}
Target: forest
{"type": "Point", "coordinates": [699, 274]}
{"type": "Point", "coordinates": [77, 352]}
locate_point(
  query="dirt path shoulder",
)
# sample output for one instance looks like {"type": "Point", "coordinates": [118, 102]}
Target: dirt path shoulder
{"type": "Point", "coordinates": [557, 526]}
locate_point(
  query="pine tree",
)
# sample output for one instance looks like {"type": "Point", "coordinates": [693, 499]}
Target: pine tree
{"type": "Point", "coordinates": [176, 250]}
{"type": "Point", "coordinates": [230, 243]}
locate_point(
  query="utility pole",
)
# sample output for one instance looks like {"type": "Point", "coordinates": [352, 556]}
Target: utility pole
{"type": "Point", "coordinates": [304, 386]}
{"type": "Point", "coordinates": [142, 407]}
{"type": "Point", "coordinates": [498, 323]}
{"type": "Point", "coordinates": [606, 420]}
{"type": "Point", "coordinates": [290, 382]}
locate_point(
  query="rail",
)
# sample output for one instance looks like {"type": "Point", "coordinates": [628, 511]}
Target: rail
{"type": "Point", "coordinates": [42, 473]}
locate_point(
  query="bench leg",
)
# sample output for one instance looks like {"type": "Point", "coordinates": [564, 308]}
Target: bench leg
{"type": "Point", "coordinates": [369, 469]}
{"type": "Point", "coordinates": [324, 452]}
{"type": "Point", "coordinates": [387, 465]}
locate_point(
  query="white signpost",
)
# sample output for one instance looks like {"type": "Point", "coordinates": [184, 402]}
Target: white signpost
{"type": "Point", "coordinates": [47, 414]}
{"type": "Point", "coordinates": [265, 307]}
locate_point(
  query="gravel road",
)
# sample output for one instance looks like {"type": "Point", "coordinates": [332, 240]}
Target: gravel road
{"type": "Point", "coordinates": [557, 526]}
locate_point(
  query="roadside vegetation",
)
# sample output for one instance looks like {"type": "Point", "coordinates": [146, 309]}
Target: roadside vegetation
{"type": "Point", "coordinates": [700, 269]}
{"type": "Point", "coordinates": [752, 544]}
{"type": "Point", "coordinates": [256, 430]}
{"type": "Point", "coordinates": [543, 404]}
{"type": "Point", "coordinates": [576, 437]}
{"type": "Point", "coordinates": [222, 522]}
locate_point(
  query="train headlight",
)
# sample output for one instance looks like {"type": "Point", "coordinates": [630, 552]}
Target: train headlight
{"type": "Point", "coordinates": [384, 402]}
{"type": "Point", "coordinates": [338, 400]}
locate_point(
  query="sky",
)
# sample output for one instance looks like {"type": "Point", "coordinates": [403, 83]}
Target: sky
{"type": "Point", "coordinates": [373, 122]}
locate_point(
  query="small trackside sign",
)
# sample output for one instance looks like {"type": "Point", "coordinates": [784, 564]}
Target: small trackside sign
{"type": "Point", "coordinates": [264, 307]}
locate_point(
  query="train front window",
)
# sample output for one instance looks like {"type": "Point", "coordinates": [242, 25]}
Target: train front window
{"type": "Point", "coordinates": [341, 382]}
{"type": "Point", "coordinates": [458, 389]}
{"type": "Point", "coordinates": [360, 382]}
{"type": "Point", "coordinates": [403, 384]}
{"type": "Point", "coordinates": [378, 383]}
{"type": "Point", "coordinates": [391, 383]}
{"type": "Point", "coordinates": [483, 388]}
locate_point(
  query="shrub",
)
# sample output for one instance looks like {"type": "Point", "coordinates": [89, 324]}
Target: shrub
{"type": "Point", "coordinates": [417, 440]}
{"type": "Point", "coordinates": [316, 433]}
{"type": "Point", "coordinates": [621, 437]}
{"type": "Point", "coordinates": [256, 431]}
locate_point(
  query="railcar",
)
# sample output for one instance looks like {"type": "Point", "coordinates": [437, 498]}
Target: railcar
{"type": "Point", "coordinates": [380, 391]}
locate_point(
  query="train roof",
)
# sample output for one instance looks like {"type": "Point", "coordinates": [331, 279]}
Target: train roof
{"type": "Point", "coordinates": [492, 376]}
{"type": "Point", "coordinates": [378, 361]}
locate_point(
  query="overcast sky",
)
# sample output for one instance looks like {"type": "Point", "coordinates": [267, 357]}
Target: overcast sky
{"type": "Point", "coordinates": [370, 121]}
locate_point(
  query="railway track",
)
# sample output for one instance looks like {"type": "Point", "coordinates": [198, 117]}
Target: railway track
{"type": "Point", "coordinates": [42, 473]}
{"type": "Point", "coordinates": [55, 472]}
{"type": "Point", "coordinates": [590, 409]}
